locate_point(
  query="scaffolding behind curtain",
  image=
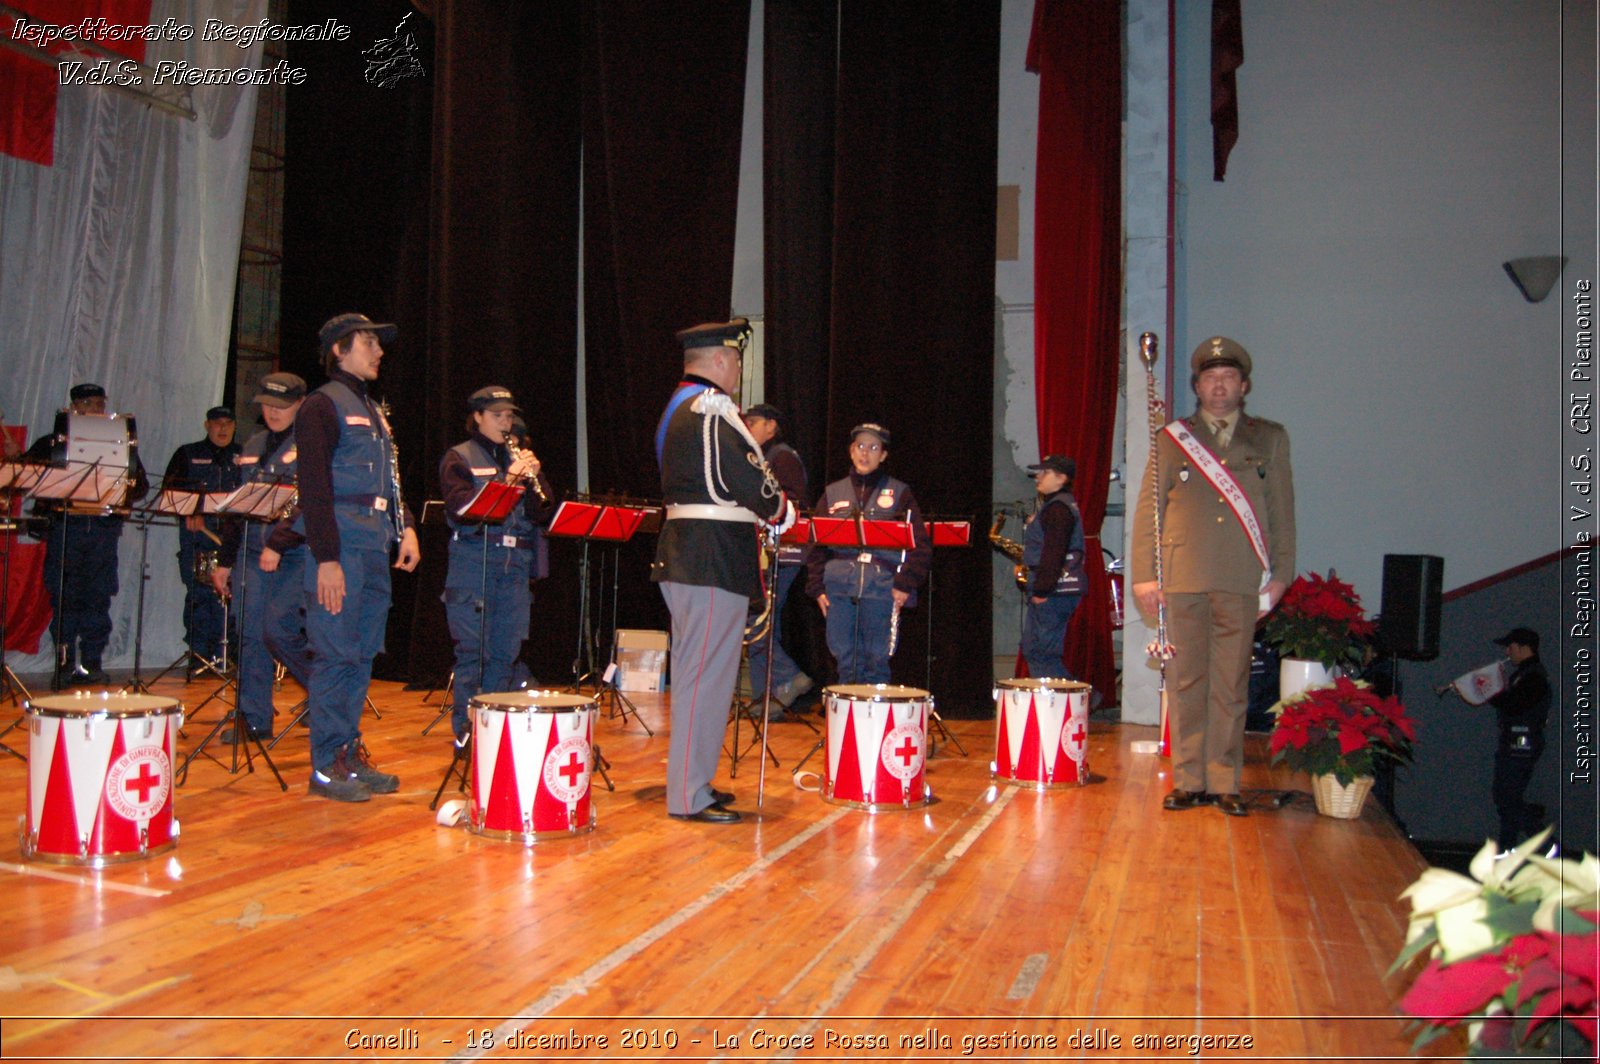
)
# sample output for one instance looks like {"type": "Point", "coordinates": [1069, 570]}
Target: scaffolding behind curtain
{"type": "Point", "coordinates": [117, 266]}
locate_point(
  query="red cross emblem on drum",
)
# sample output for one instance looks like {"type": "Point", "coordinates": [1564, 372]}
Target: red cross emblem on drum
{"type": "Point", "coordinates": [902, 753]}
{"type": "Point", "coordinates": [138, 782]}
{"type": "Point", "coordinates": [566, 769]}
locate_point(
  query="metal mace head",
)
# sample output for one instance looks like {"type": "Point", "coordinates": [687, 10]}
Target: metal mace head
{"type": "Point", "coordinates": [1149, 349]}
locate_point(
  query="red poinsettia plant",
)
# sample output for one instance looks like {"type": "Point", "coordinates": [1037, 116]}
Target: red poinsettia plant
{"type": "Point", "coordinates": [1320, 619]}
{"type": "Point", "coordinates": [1513, 953]}
{"type": "Point", "coordinates": [1343, 729]}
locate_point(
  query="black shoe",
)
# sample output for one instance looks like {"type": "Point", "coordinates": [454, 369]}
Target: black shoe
{"type": "Point", "coordinates": [721, 797]}
{"type": "Point", "coordinates": [338, 784]}
{"type": "Point", "coordinates": [1233, 805]}
{"type": "Point", "coordinates": [94, 676]}
{"type": "Point", "coordinates": [359, 764]}
{"type": "Point", "coordinates": [462, 746]}
{"type": "Point", "coordinates": [1178, 799]}
{"type": "Point", "coordinates": [711, 814]}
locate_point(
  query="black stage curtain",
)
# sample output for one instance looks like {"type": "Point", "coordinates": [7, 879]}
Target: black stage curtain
{"type": "Point", "coordinates": [355, 229]}
{"type": "Point", "coordinates": [800, 65]}
{"type": "Point", "coordinates": [663, 100]}
{"type": "Point", "coordinates": [503, 276]}
{"type": "Point", "coordinates": [913, 297]}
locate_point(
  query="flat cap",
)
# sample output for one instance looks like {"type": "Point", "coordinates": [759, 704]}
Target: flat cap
{"type": "Point", "coordinates": [1525, 637]}
{"type": "Point", "coordinates": [81, 392]}
{"type": "Point", "coordinates": [1056, 463]}
{"type": "Point", "coordinates": [220, 413]}
{"type": "Point", "coordinates": [875, 429]}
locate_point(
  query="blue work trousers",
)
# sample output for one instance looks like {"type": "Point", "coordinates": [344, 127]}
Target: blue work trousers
{"type": "Point", "coordinates": [858, 637]}
{"type": "Point", "coordinates": [1044, 635]}
{"type": "Point", "coordinates": [342, 647]}
{"type": "Point", "coordinates": [271, 626]}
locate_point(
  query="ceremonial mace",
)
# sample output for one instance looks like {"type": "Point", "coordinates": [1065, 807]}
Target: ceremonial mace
{"type": "Point", "coordinates": [1159, 648]}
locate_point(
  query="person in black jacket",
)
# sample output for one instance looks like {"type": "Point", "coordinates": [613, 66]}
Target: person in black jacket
{"type": "Point", "coordinates": [788, 682]}
{"type": "Point", "coordinates": [208, 465]}
{"type": "Point", "coordinates": [1520, 709]}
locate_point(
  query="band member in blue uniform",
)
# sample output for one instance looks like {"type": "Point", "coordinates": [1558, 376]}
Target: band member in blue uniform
{"type": "Point", "coordinates": [487, 587]}
{"type": "Point", "coordinates": [860, 591]}
{"type": "Point", "coordinates": [718, 492]}
{"type": "Point", "coordinates": [788, 682]}
{"type": "Point", "coordinates": [270, 588]}
{"type": "Point", "coordinates": [206, 465]}
{"type": "Point", "coordinates": [80, 561]}
{"type": "Point", "coordinates": [352, 515]}
{"type": "Point", "coordinates": [1052, 551]}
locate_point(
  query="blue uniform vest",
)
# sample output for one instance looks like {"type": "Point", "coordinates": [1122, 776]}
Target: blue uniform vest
{"type": "Point", "coordinates": [277, 467]}
{"type": "Point", "coordinates": [1072, 580]}
{"type": "Point", "coordinates": [530, 555]}
{"type": "Point", "coordinates": [844, 574]}
{"type": "Point", "coordinates": [362, 473]}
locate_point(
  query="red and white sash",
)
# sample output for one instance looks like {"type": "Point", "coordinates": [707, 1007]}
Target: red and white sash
{"type": "Point", "coordinates": [1230, 490]}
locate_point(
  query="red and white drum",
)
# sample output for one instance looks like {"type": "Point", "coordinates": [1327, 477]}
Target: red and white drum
{"type": "Point", "coordinates": [877, 746]}
{"type": "Point", "coordinates": [1042, 732]}
{"type": "Point", "coordinates": [100, 777]}
{"type": "Point", "coordinates": [531, 752]}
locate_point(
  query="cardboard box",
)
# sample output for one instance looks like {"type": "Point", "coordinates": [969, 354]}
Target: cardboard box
{"type": "Point", "coordinates": [641, 657]}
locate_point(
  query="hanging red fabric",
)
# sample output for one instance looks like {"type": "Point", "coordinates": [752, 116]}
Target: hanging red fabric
{"type": "Point", "coordinates": [1076, 49]}
{"type": "Point", "coordinates": [28, 84]}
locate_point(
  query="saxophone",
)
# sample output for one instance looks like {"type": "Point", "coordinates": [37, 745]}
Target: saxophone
{"type": "Point", "coordinates": [1011, 549]}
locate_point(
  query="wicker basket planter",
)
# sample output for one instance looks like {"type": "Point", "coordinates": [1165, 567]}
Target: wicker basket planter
{"type": "Point", "coordinates": [1336, 800]}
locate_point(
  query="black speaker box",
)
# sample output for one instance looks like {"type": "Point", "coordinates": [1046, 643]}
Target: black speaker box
{"type": "Point", "coordinates": [1409, 624]}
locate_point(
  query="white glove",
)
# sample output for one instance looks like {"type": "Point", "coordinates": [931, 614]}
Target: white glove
{"type": "Point", "coordinates": [786, 521]}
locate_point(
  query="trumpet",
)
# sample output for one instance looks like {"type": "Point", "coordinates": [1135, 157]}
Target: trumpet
{"type": "Point", "coordinates": [517, 455]}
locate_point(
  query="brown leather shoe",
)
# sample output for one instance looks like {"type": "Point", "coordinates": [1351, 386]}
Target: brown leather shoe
{"type": "Point", "coordinates": [1178, 799]}
{"type": "Point", "coordinates": [1233, 805]}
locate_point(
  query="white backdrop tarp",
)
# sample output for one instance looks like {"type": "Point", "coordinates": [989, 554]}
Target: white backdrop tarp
{"type": "Point", "coordinates": [117, 266]}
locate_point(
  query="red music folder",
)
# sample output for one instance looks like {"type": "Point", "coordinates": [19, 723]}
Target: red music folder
{"type": "Point", "coordinates": [950, 533]}
{"type": "Point", "coordinates": [493, 503]}
{"type": "Point", "coordinates": [574, 518]}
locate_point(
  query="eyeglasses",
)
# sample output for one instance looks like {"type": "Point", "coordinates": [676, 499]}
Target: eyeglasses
{"type": "Point", "coordinates": [869, 448]}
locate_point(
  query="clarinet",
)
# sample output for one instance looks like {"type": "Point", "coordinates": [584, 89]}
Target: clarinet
{"type": "Point", "coordinates": [394, 473]}
{"type": "Point", "coordinates": [517, 455]}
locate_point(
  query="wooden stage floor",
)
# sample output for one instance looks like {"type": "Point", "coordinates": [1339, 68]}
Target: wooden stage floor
{"type": "Point", "coordinates": [996, 923]}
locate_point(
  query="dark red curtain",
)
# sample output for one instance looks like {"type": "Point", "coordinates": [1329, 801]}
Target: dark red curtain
{"type": "Point", "coordinates": [1227, 56]}
{"type": "Point", "coordinates": [663, 104]}
{"type": "Point", "coordinates": [1077, 51]}
{"type": "Point", "coordinates": [913, 332]}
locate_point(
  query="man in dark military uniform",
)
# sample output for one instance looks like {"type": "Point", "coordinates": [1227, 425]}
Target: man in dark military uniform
{"type": "Point", "coordinates": [860, 590]}
{"type": "Point", "coordinates": [788, 682]}
{"type": "Point", "coordinates": [1052, 550]}
{"type": "Point", "coordinates": [717, 491]}
{"type": "Point", "coordinates": [80, 560]}
{"type": "Point", "coordinates": [1521, 709]}
{"type": "Point", "coordinates": [206, 465]}
{"type": "Point", "coordinates": [1226, 493]}
{"type": "Point", "coordinates": [352, 516]}
{"type": "Point", "coordinates": [490, 564]}
{"type": "Point", "coordinates": [270, 589]}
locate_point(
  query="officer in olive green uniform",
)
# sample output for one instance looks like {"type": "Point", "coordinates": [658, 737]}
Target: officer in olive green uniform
{"type": "Point", "coordinates": [1214, 583]}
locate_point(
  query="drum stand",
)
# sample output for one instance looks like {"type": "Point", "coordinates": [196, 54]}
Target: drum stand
{"type": "Point", "coordinates": [242, 739]}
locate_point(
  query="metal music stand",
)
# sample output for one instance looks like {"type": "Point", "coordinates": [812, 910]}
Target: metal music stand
{"type": "Point", "coordinates": [608, 521]}
{"type": "Point", "coordinates": [82, 489]}
{"type": "Point", "coordinates": [743, 710]}
{"type": "Point", "coordinates": [491, 505]}
{"type": "Point", "coordinates": [942, 532]}
{"type": "Point", "coordinates": [854, 531]}
{"type": "Point", "coordinates": [176, 503]}
{"type": "Point", "coordinates": [12, 474]}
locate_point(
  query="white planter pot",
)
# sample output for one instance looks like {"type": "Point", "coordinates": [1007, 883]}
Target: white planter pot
{"type": "Point", "coordinates": [1297, 674]}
